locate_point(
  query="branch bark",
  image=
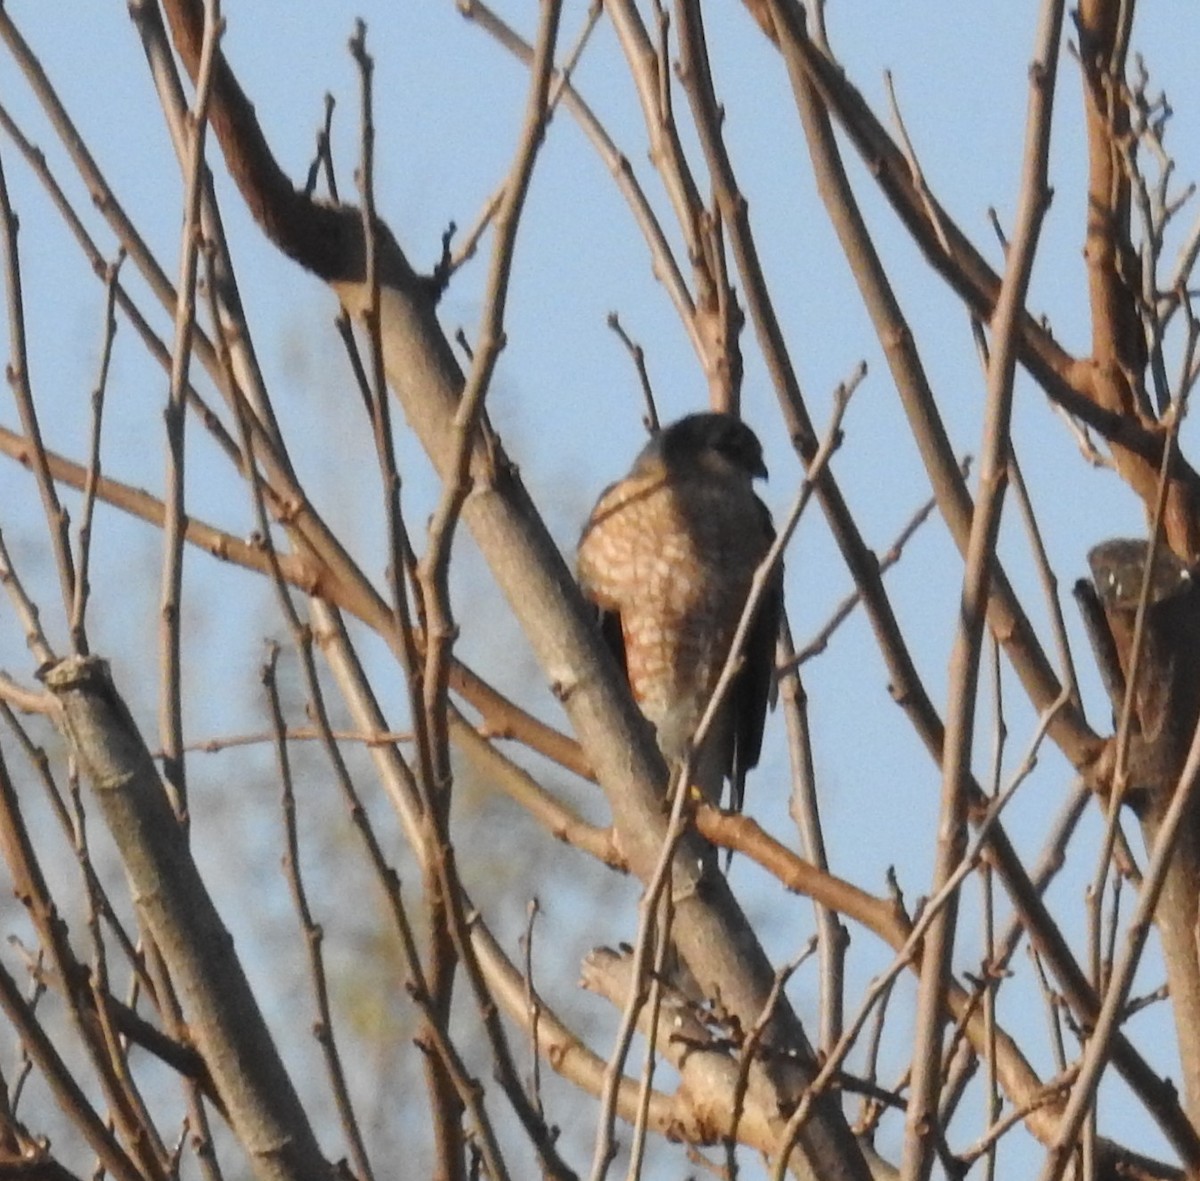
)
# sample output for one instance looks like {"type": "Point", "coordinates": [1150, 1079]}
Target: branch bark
{"type": "Point", "coordinates": [711, 931]}
{"type": "Point", "coordinates": [224, 1018]}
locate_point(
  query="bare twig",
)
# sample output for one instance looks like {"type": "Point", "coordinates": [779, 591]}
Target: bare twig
{"type": "Point", "coordinates": [750, 1048]}
{"type": "Point", "coordinates": [985, 524]}
{"type": "Point", "coordinates": [932, 212]}
{"type": "Point", "coordinates": [82, 589]}
{"type": "Point", "coordinates": [170, 708]}
{"type": "Point", "coordinates": [804, 809]}
{"type": "Point", "coordinates": [67, 1092]}
{"type": "Point", "coordinates": [322, 164]}
{"type": "Point", "coordinates": [25, 607]}
{"type": "Point", "coordinates": [638, 356]}
{"type": "Point", "coordinates": [17, 373]}
{"type": "Point", "coordinates": [312, 930]}
{"type": "Point", "coordinates": [650, 947]}
{"type": "Point", "coordinates": [892, 555]}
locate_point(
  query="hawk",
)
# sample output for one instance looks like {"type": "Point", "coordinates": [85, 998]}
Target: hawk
{"type": "Point", "coordinates": [667, 556]}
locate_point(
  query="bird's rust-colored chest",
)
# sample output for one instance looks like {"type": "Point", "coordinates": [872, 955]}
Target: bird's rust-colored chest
{"type": "Point", "coordinates": [674, 559]}
{"type": "Point", "coordinates": [670, 540]}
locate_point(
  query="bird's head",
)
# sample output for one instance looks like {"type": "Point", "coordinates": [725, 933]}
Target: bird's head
{"type": "Point", "coordinates": [717, 444]}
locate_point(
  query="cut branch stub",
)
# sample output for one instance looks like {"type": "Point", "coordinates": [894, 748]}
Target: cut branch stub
{"type": "Point", "coordinates": [1166, 693]}
{"type": "Point", "coordinates": [1165, 707]}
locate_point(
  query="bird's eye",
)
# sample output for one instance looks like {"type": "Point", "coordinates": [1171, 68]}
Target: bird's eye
{"type": "Point", "coordinates": [727, 445]}
{"type": "Point", "coordinates": [734, 449]}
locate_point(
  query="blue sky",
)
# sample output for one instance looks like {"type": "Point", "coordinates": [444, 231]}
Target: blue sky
{"type": "Point", "coordinates": [565, 397]}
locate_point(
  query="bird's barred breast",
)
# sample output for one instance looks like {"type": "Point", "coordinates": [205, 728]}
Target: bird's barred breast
{"type": "Point", "coordinates": [675, 561]}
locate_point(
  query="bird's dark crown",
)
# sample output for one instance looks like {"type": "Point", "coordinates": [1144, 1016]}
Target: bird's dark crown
{"type": "Point", "coordinates": [704, 440]}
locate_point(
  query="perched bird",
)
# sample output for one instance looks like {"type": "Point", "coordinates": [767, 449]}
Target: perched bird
{"type": "Point", "coordinates": [667, 556]}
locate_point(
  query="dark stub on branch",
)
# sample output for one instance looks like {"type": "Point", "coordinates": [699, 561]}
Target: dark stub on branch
{"type": "Point", "coordinates": [1166, 698]}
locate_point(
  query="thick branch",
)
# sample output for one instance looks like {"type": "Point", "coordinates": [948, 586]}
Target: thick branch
{"type": "Point", "coordinates": [223, 1015]}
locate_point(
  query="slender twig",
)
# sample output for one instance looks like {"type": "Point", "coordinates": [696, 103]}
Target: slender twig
{"type": "Point", "coordinates": [992, 1104]}
{"type": "Point", "coordinates": [468, 244]}
{"type": "Point", "coordinates": [453, 260]}
{"type": "Point", "coordinates": [1185, 261]}
{"type": "Point", "coordinates": [489, 342]}
{"type": "Point", "coordinates": [804, 809]}
{"type": "Point", "coordinates": [750, 1048]}
{"type": "Point", "coordinates": [932, 212]}
{"type": "Point", "coordinates": [1136, 1004]}
{"type": "Point", "coordinates": [871, 1109]}
{"type": "Point", "coordinates": [82, 589]}
{"type": "Point", "coordinates": [534, 1008]}
{"type": "Point", "coordinates": [170, 708]}
{"type": "Point", "coordinates": [638, 356]}
{"type": "Point", "coordinates": [313, 931]}
{"type": "Point", "coordinates": [820, 641]}
{"type": "Point", "coordinates": [651, 938]}
{"type": "Point", "coordinates": [660, 937]}
{"type": "Point", "coordinates": [997, 1127]}
{"type": "Point", "coordinates": [26, 609]}
{"type": "Point", "coordinates": [666, 147]}
{"type": "Point", "coordinates": [1048, 864]}
{"type": "Point", "coordinates": [1048, 579]}
{"type": "Point", "coordinates": [373, 383]}
{"type": "Point", "coordinates": [1046, 575]}
{"type": "Point", "coordinates": [322, 164]}
{"type": "Point", "coordinates": [430, 749]}
{"type": "Point", "coordinates": [61, 1081]}
{"type": "Point", "coordinates": [37, 990]}
{"type": "Point", "coordinates": [293, 734]}
{"type": "Point", "coordinates": [36, 160]}
{"type": "Point", "coordinates": [1054, 1011]}
{"type": "Point", "coordinates": [18, 375]}
{"type": "Point", "coordinates": [1032, 203]}
{"type": "Point", "coordinates": [230, 315]}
